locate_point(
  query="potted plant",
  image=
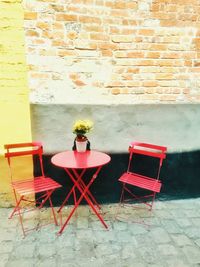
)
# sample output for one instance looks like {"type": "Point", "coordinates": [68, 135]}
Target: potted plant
{"type": "Point", "coordinates": [81, 128]}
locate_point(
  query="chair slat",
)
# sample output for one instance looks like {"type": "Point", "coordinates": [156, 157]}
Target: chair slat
{"type": "Point", "coordinates": [35, 185]}
{"type": "Point", "coordinates": [141, 181]}
{"type": "Point", "coordinates": [147, 153]}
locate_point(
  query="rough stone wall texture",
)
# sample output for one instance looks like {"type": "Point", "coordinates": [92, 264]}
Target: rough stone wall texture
{"type": "Point", "coordinates": [123, 51]}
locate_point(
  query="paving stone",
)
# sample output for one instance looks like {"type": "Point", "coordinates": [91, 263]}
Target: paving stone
{"type": "Point", "coordinates": [196, 221]}
{"type": "Point", "coordinates": [137, 229]}
{"type": "Point", "coordinates": [46, 250]}
{"type": "Point", "coordinates": [177, 213]}
{"type": "Point", "coordinates": [65, 253]}
{"type": "Point", "coordinates": [150, 254]}
{"type": "Point", "coordinates": [105, 236]}
{"type": "Point", "coordinates": [171, 238]}
{"type": "Point", "coordinates": [192, 253]}
{"type": "Point", "coordinates": [6, 246]}
{"type": "Point", "coordinates": [24, 251]}
{"type": "Point", "coordinates": [174, 262]}
{"type": "Point", "coordinates": [82, 223]}
{"type": "Point", "coordinates": [124, 236]}
{"type": "Point", "coordinates": [197, 241]}
{"type": "Point", "coordinates": [194, 213]}
{"type": "Point", "coordinates": [171, 226]}
{"type": "Point", "coordinates": [159, 235]}
{"type": "Point", "coordinates": [46, 262]}
{"type": "Point", "coordinates": [193, 232]}
{"type": "Point", "coordinates": [83, 211]}
{"type": "Point", "coordinates": [128, 251]}
{"type": "Point", "coordinates": [85, 234]}
{"type": "Point", "coordinates": [20, 262]}
{"type": "Point", "coordinates": [167, 249]}
{"type": "Point", "coordinates": [181, 240]}
{"type": "Point", "coordinates": [4, 259]}
{"type": "Point", "coordinates": [118, 225]}
{"type": "Point", "coordinates": [183, 222]}
{"type": "Point", "coordinates": [130, 263]}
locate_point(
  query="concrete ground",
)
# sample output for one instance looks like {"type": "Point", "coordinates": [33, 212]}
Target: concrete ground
{"type": "Point", "coordinates": [170, 237]}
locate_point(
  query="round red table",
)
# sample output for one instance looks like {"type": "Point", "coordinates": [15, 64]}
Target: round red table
{"type": "Point", "coordinates": [80, 160]}
{"type": "Point", "coordinates": [75, 164]}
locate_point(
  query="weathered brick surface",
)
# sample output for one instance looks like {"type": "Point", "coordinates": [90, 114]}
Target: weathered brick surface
{"type": "Point", "coordinates": [146, 50]}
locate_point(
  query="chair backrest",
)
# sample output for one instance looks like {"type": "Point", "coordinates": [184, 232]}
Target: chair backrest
{"type": "Point", "coordinates": [24, 149]}
{"type": "Point", "coordinates": [150, 150]}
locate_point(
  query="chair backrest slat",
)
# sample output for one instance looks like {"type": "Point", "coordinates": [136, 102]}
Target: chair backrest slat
{"type": "Point", "coordinates": [24, 149]}
{"type": "Point", "coordinates": [36, 149]}
{"type": "Point", "coordinates": [148, 150]}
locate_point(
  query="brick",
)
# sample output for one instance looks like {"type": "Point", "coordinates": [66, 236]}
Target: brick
{"type": "Point", "coordinates": [115, 84]}
{"type": "Point", "coordinates": [79, 82]}
{"type": "Point", "coordinates": [99, 36]}
{"type": "Point", "coordinates": [32, 33]}
{"type": "Point", "coordinates": [122, 39]}
{"type": "Point", "coordinates": [115, 91]}
{"type": "Point", "coordinates": [150, 83]}
{"type": "Point", "coordinates": [66, 17]}
{"type": "Point", "coordinates": [40, 75]}
{"type": "Point", "coordinates": [85, 45]}
{"type": "Point", "coordinates": [167, 98]}
{"type": "Point", "coordinates": [171, 55]}
{"type": "Point", "coordinates": [30, 15]}
{"type": "Point", "coordinates": [107, 53]}
{"type": "Point", "coordinates": [146, 32]}
{"type": "Point", "coordinates": [88, 19]}
{"type": "Point", "coordinates": [153, 55]}
{"type": "Point", "coordinates": [119, 13]}
{"type": "Point", "coordinates": [72, 35]}
{"type": "Point", "coordinates": [93, 28]}
{"type": "Point", "coordinates": [133, 70]}
{"type": "Point", "coordinates": [127, 76]}
{"type": "Point", "coordinates": [107, 46]}
{"type": "Point", "coordinates": [42, 25]}
{"type": "Point", "coordinates": [58, 8]}
{"type": "Point", "coordinates": [164, 76]}
{"type": "Point", "coordinates": [47, 52]}
{"type": "Point", "coordinates": [59, 43]}
{"type": "Point", "coordinates": [66, 52]}
{"type": "Point", "coordinates": [57, 26]}
{"type": "Point", "coordinates": [132, 83]}
{"type": "Point", "coordinates": [155, 7]}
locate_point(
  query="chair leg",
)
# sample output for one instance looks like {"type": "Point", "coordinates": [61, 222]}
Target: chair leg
{"type": "Point", "coordinates": [17, 209]}
{"type": "Point", "coordinates": [52, 208]}
{"type": "Point", "coordinates": [154, 195]}
{"type": "Point", "coordinates": [122, 195]}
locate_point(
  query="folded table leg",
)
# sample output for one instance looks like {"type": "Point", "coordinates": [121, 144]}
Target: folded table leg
{"type": "Point", "coordinates": [84, 194]}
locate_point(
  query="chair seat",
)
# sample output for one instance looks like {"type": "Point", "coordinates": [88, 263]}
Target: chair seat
{"type": "Point", "coordinates": [35, 185]}
{"type": "Point", "coordinates": [141, 181]}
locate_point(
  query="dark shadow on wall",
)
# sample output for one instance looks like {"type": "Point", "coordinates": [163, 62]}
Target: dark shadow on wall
{"type": "Point", "coordinates": [180, 175]}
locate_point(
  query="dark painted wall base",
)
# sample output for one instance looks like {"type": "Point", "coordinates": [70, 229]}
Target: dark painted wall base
{"type": "Point", "coordinates": [180, 175]}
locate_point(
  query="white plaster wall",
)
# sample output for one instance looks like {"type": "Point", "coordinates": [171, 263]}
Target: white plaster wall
{"type": "Point", "coordinates": [115, 126]}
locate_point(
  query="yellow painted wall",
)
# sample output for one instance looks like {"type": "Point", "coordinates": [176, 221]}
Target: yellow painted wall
{"type": "Point", "coordinates": [14, 93]}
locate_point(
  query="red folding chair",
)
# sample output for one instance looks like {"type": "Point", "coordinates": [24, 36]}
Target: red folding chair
{"type": "Point", "coordinates": [152, 185]}
{"type": "Point", "coordinates": [24, 188]}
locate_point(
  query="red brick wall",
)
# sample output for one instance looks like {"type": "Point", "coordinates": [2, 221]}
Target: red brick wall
{"type": "Point", "coordinates": [128, 51]}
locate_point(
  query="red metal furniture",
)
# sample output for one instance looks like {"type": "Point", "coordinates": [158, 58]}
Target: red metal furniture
{"type": "Point", "coordinates": [131, 178]}
{"type": "Point", "coordinates": [75, 164]}
{"type": "Point", "coordinates": [26, 187]}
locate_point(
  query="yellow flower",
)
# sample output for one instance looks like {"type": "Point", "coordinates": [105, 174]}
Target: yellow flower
{"type": "Point", "coordinates": [82, 127]}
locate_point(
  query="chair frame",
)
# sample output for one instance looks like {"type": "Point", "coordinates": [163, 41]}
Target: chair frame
{"type": "Point", "coordinates": [25, 187]}
{"type": "Point", "coordinates": [141, 181]}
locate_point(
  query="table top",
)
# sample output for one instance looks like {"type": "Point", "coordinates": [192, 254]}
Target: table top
{"type": "Point", "coordinates": [80, 160]}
